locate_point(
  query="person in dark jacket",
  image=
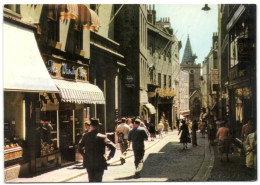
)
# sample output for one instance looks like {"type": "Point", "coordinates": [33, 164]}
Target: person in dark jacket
{"type": "Point", "coordinates": [137, 136]}
{"type": "Point", "coordinates": [92, 146]}
{"type": "Point", "coordinates": [185, 135]}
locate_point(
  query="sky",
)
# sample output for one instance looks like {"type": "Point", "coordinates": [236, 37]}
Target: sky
{"type": "Point", "coordinates": [189, 19]}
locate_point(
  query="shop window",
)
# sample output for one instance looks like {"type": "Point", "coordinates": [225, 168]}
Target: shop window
{"type": "Point", "coordinates": [47, 133]}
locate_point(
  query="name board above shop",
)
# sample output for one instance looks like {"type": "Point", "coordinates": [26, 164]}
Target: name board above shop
{"type": "Point", "coordinates": [51, 67]}
{"type": "Point", "coordinates": [67, 70]}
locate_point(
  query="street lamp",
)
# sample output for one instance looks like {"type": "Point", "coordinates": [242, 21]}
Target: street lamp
{"type": "Point", "coordinates": [205, 8]}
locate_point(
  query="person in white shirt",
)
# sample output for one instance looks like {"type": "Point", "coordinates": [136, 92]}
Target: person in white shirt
{"type": "Point", "coordinates": [122, 132]}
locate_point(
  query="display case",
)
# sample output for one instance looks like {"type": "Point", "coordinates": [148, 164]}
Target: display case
{"type": "Point", "coordinates": [13, 151]}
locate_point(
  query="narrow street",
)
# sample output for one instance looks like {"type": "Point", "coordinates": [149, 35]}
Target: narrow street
{"type": "Point", "coordinates": [165, 161]}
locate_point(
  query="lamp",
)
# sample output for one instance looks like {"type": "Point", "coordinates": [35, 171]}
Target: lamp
{"type": "Point", "coordinates": [205, 8]}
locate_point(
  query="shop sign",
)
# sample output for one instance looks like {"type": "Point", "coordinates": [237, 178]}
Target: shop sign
{"type": "Point", "coordinates": [82, 74]}
{"type": "Point", "coordinates": [66, 71]}
{"type": "Point", "coordinates": [130, 80]}
{"type": "Point", "coordinates": [51, 67]}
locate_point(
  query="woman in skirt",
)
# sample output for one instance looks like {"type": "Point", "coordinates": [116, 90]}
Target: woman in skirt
{"type": "Point", "coordinates": [185, 135]}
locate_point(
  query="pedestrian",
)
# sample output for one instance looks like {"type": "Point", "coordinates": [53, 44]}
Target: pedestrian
{"type": "Point", "coordinates": [244, 132]}
{"type": "Point", "coordinates": [137, 136]}
{"type": "Point", "coordinates": [95, 144]}
{"type": "Point", "coordinates": [178, 124]}
{"type": "Point", "coordinates": [129, 122]}
{"type": "Point", "coordinates": [160, 127]}
{"type": "Point", "coordinates": [223, 135]}
{"type": "Point", "coordinates": [211, 130]}
{"type": "Point", "coordinates": [122, 132]}
{"type": "Point", "coordinates": [185, 135]}
{"type": "Point", "coordinates": [142, 124]}
{"type": "Point", "coordinates": [203, 126]}
{"type": "Point", "coordinates": [166, 126]}
{"type": "Point", "coordinates": [251, 155]}
{"type": "Point", "coordinates": [194, 130]}
{"type": "Point", "coordinates": [152, 131]}
{"type": "Point", "coordinates": [87, 126]}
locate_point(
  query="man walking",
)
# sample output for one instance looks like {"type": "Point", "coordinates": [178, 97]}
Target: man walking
{"type": "Point", "coordinates": [138, 135]}
{"type": "Point", "coordinates": [122, 132]}
{"type": "Point", "coordinates": [95, 144]}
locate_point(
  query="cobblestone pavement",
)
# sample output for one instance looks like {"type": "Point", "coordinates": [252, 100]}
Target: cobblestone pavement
{"type": "Point", "coordinates": [234, 170]}
{"type": "Point", "coordinates": [164, 162]}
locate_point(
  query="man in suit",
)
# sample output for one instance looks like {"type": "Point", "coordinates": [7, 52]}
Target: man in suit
{"type": "Point", "coordinates": [95, 144]}
{"type": "Point", "coordinates": [137, 136]}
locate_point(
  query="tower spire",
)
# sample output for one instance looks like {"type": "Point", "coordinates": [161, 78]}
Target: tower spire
{"type": "Point", "coordinates": [188, 55]}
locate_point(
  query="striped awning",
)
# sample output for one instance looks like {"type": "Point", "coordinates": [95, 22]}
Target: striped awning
{"type": "Point", "coordinates": [79, 92]}
{"type": "Point", "coordinates": [81, 13]}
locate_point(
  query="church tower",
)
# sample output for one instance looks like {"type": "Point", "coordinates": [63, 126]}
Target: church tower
{"type": "Point", "coordinates": [188, 56]}
{"type": "Point", "coordinates": [188, 64]}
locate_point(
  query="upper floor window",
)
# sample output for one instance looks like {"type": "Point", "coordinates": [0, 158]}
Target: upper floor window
{"type": "Point", "coordinates": [159, 79]}
{"type": "Point", "coordinates": [164, 81]}
{"type": "Point", "coordinates": [53, 25]}
{"type": "Point", "coordinates": [78, 36]}
{"type": "Point", "coordinates": [170, 82]}
{"type": "Point", "coordinates": [14, 7]}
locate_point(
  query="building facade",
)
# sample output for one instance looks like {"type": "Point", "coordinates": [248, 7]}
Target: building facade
{"type": "Point", "coordinates": [147, 46]}
{"type": "Point", "coordinates": [237, 64]}
{"type": "Point", "coordinates": [82, 69]}
{"type": "Point", "coordinates": [210, 81]}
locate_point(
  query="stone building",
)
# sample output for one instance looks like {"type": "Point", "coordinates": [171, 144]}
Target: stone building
{"type": "Point", "coordinates": [148, 49]}
{"type": "Point", "coordinates": [188, 64]}
{"type": "Point", "coordinates": [209, 81]}
{"type": "Point", "coordinates": [237, 64]}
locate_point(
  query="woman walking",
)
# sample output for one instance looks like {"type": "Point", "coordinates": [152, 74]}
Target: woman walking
{"type": "Point", "coordinates": [152, 131]}
{"type": "Point", "coordinates": [185, 135]}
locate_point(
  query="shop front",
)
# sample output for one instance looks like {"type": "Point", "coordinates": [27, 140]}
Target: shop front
{"type": "Point", "coordinates": [78, 100]}
{"type": "Point", "coordinates": [25, 77]}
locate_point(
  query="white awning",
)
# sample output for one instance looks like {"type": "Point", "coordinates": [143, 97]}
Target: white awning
{"type": "Point", "coordinates": [150, 107]}
{"type": "Point", "coordinates": [24, 69]}
{"type": "Point", "coordinates": [79, 92]}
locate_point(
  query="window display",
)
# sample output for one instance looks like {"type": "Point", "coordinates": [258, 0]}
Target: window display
{"type": "Point", "coordinates": [12, 143]}
{"type": "Point", "coordinates": [47, 132]}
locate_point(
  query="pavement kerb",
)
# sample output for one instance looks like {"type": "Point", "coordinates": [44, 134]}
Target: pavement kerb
{"type": "Point", "coordinates": [128, 156]}
{"type": "Point", "coordinates": [207, 164]}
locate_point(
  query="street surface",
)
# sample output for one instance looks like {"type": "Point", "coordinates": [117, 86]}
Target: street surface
{"type": "Point", "coordinates": [165, 161]}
